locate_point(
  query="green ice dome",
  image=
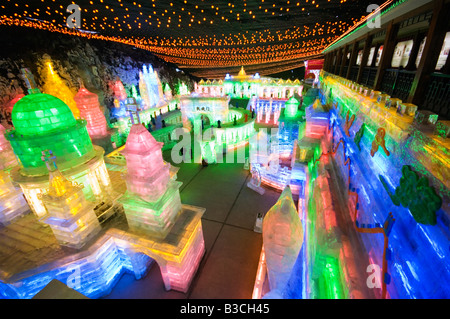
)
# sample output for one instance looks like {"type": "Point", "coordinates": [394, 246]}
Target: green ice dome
{"type": "Point", "coordinates": [37, 114]}
{"type": "Point", "coordinates": [44, 122]}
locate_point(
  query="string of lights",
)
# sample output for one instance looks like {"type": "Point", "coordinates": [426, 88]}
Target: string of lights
{"type": "Point", "coordinates": [202, 33]}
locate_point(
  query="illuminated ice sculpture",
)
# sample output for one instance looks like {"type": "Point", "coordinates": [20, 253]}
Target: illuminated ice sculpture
{"type": "Point", "coordinates": [168, 92]}
{"type": "Point", "coordinates": [147, 180]}
{"type": "Point", "coordinates": [152, 201]}
{"type": "Point", "coordinates": [214, 108]}
{"type": "Point", "coordinates": [291, 107]}
{"type": "Point", "coordinates": [42, 122]}
{"type": "Point", "coordinates": [150, 88]}
{"type": "Point", "coordinates": [245, 86]}
{"type": "Point", "coordinates": [12, 202]}
{"type": "Point", "coordinates": [56, 86]}
{"type": "Point", "coordinates": [282, 240]}
{"type": "Point", "coordinates": [153, 209]}
{"type": "Point", "coordinates": [89, 107]}
{"type": "Point", "coordinates": [119, 90]}
{"type": "Point", "coordinates": [71, 218]}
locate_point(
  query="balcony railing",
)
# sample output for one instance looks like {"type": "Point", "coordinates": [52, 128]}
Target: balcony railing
{"type": "Point", "coordinates": [397, 83]}
{"type": "Point", "coordinates": [437, 96]}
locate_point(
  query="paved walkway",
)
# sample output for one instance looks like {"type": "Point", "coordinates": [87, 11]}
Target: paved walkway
{"type": "Point", "coordinates": [229, 266]}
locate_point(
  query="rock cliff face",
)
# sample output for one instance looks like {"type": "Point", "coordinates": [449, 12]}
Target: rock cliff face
{"type": "Point", "coordinates": [97, 63]}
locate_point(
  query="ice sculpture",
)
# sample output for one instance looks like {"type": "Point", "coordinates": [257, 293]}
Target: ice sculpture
{"type": "Point", "coordinates": [71, 218]}
{"type": "Point", "coordinates": [157, 220]}
{"type": "Point", "coordinates": [147, 174]}
{"type": "Point", "coordinates": [119, 91]}
{"type": "Point", "coordinates": [158, 86]}
{"type": "Point", "coordinates": [150, 88]}
{"type": "Point", "coordinates": [12, 202]}
{"type": "Point", "coordinates": [54, 85]}
{"type": "Point", "coordinates": [255, 182]}
{"type": "Point", "coordinates": [291, 107]}
{"type": "Point", "coordinates": [282, 239]}
{"type": "Point", "coordinates": [152, 201]}
{"type": "Point", "coordinates": [144, 91]}
{"type": "Point", "coordinates": [392, 146]}
{"type": "Point", "coordinates": [7, 157]}
{"type": "Point", "coordinates": [183, 89]}
{"type": "Point", "coordinates": [89, 107]}
{"type": "Point", "coordinates": [43, 122]}
{"type": "Point", "coordinates": [260, 148]}
{"type": "Point", "coordinates": [168, 92]}
{"type": "Point", "coordinates": [10, 105]}
{"type": "Point", "coordinates": [216, 108]}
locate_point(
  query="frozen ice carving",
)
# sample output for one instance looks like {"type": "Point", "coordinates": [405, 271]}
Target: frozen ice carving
{"type": "Point", "coordinates": [89, 107]}
{"type": "Point", "coordinates": [150, 88]}
{"type": "Point", "coordinates": [152, 202]}
{"type": "Point", "coordinates": [282, 239]}
{"type": "Point", "coordinates": [119, 90]}
{"type": "Point", "coordinates": [148, 174]}
{"type": "Point", "coordinates": [291, 107]}
{"type": "Point", "coordinates": [168, 92]}
{"type": "Point", "coordinates": [54, 85]}
{"type": "Point", "coordinates": [70, 216]}
{"type": "Point", "coordinates": [12, 202]}
{"type": "Point", "coordinates": [156, 218]}
{"type": "Point", "coordinates": [255, 182]}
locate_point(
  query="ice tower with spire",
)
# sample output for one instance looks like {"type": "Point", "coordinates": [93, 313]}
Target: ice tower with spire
{"type": "Point", "coordinates": [152, 201]}
{"type": "Point", "coordinates": [70, 216]}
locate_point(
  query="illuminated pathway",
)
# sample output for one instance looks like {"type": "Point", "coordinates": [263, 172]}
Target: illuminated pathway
{"type": "Point", "coordinates": [229, 266]}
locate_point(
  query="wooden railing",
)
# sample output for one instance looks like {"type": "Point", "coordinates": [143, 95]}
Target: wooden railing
{"type": "Point", "coordinates": [368, 76]}
{"type": "Point", "coordinates": [397, 83]}
{"type": "Point", "coordinates": [437, 96]}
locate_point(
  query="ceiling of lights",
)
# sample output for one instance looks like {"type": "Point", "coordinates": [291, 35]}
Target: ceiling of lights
{"type": "Point", "coordinates": [207, 38]}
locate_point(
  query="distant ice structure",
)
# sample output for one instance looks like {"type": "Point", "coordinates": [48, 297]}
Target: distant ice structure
{"type": "Point", "coordinates": [151, 89]}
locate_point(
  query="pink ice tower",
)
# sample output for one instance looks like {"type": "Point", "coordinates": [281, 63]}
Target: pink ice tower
{"type": "Point", "coordinates": [119, 90]}
{"type": "Point", "coordinates": [89, 106]}
{"type": "Point", "coordinates": [148, 174]}
{"type": "Point", "coordinates": [172, 232]}
{"type": "Point", "coordinates": [152, 202]}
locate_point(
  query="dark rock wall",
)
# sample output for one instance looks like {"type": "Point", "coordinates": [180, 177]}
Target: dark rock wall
{"type": "Point", "coordinates": [96, 62]}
